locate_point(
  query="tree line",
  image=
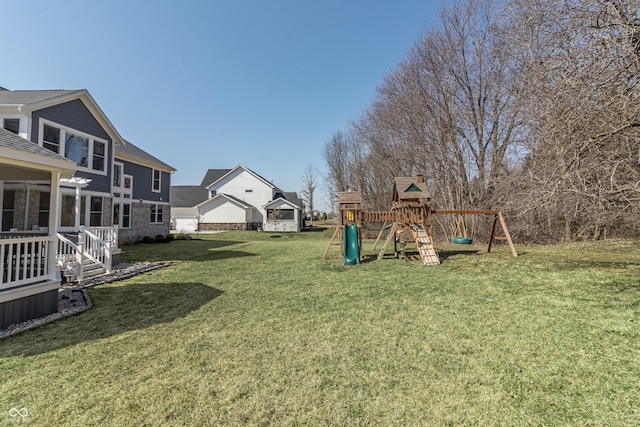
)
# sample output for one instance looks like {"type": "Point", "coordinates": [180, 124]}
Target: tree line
{"type": "Point", "coordinates": [527, 106]}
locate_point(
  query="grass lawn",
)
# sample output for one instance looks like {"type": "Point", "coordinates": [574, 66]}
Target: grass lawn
{"type": "Point", "coordinates": [254, 329]}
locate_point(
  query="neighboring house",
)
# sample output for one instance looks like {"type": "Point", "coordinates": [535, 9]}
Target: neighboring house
{"type": "Point", "coordinates": [103, 185]}
{"type": "Point", "coordinates": [234, 199]}
{"type": "Point", "coordinates": [141, 190]}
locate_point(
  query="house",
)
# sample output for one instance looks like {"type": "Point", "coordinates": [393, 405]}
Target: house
{"type": "Point", "coordinates": [70, 181]}
{"type": "Point", "coordinates": [234, 199]}
{"type": "Point", "coordinates": [29, 278]}
{"type": "Point", "coordinates": [141, 191]}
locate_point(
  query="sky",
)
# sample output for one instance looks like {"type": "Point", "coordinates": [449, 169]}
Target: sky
{"type": "Point", "coordinates": [209, 84]}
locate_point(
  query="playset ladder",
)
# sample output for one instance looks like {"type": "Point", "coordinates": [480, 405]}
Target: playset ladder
{"type": "Point", "coordinates": [423, 243]}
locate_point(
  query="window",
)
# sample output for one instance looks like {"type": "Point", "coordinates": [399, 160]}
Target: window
{"type": "Point", "coordinates": [213, 192]}
{"type": "Point", "coordinates": [8, 206]}
{"type": "Point", "coordinates": [83, 210]}
{"type": "Point", "coordinates": [67, 211]}
{"type": "Point", "coordinates": [76, 148]}
{"type": "Point", "coordinates": [98, 155]}
{"type": "Point", "coordinates": [126, 215]}
{"type": "Point", "coordinates": [121, 197]}
{"type": "Point", "coordinates": [156, 214]}
{"type": "Point", "coordinates": [156, 180]}
{"type": "Point", "coordinates": [116, 214]}
{"type": "Point", "coordinates": [12, 125]}
{"type": "Point", "coordinates": [51, 138]}
{"type": "Point", "coordinates": [280, 214]}
{"type": "Point", "coordinates": [117, 175]}
{"type": "Point", "coordinates": [88, 152]}
{"type": "Point", "coordinates": [95, 212]}
{"type": "Point", "coordinates": [122, 214]}
{"type": "Point", "coordinates": [43, 209]}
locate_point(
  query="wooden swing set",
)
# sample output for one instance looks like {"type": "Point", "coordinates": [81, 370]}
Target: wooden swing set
{"type": "Point", "coordinates": [411, 216]}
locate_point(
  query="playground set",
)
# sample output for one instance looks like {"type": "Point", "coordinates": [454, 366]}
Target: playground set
{"type": "Point", "coordinates": [410, 222]}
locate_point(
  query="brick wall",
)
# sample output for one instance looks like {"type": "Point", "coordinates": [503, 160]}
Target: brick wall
{"type": "Point", "coordinates": [18, 213]}
{"type": "Point", "coordinates": [141, 225]}
{"type": "Point", "coordinates": [34, 205]}
{"type": "Point", "coordinates": [107, 212]}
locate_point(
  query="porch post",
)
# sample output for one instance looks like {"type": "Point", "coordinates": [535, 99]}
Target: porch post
{"type": "Point", "coordinates": [1, 201]}
{"type": "Point", "coordinates": [77, 210]}
{"type": "Point", "coordinates": [54, 220]}
{"type": "Point", "coordinates": [27, 192]}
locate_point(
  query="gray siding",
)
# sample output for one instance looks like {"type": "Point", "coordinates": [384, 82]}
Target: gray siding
{"type": "Point", "coordinates": [27, 308]}
{"type": "Point", "coordinates": [74, 114]}
{"type": "Point", "coordinates": [98, 182]}
{"type": "Point", "coordinates": [142, 179]}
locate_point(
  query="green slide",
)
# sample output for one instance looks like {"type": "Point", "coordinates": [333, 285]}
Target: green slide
{"type": "Point", "coordinates": [350, 242]}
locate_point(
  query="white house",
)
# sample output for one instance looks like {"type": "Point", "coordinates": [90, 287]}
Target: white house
{"type": "Point", "coordinates": [234, 199]}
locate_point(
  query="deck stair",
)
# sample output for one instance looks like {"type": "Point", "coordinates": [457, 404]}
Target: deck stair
{"type": "Point", "coordinates": [87, 257]}
{"type": "Point", "coordinates": [423, 243]}
{"type": "Point", "coordinates": [90, 269]}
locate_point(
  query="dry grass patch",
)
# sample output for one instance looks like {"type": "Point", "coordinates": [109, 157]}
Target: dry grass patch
{"type": "Point", "coordinates": [253, 330]}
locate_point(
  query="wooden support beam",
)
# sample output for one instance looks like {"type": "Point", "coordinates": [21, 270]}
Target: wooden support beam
{"type": "Point", "coordinates": [507, 235]}
{"type": "Point", "coordinates": [465, 211]}
{"type": "Point", "coordinates": [505, 230]}
{"type": "Point", "coordinates": [492, 235]}
{"type": "Point", "coordinates": [379, 235]}
{"type": "Point", "coordinates": [324, 256]}
{"type": "Point", "coordinates": [391, 236]}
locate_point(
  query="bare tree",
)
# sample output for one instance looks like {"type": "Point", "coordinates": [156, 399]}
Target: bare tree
{"type": "Point", "coordinates": [336, 153]}
{"type": "Point", "coordinates": [582, 177]}
{"type": "Point", "coordinates": [310, 182]}
{"type": "Point", "coordinates": [529, 106]}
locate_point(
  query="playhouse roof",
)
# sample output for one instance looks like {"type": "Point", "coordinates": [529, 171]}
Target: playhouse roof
{"type": "Point", "coordinates": [410, 189]}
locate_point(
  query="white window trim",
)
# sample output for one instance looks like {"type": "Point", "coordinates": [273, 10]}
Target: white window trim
{"type": "Point", "coordinates": [122, 201]}
{"type": "Point", "coordinates": [87, 205]}
{"type": "Point", "coordinates": [155, 221]}
{"type": "Point", "coordinates": [153, 179]}
{"type": "Point", "coordinates": [113, 174]}
{"type": "Point", "coordinates": [24, 123]}
{"type": "Point", "coordinates": [91, 139]}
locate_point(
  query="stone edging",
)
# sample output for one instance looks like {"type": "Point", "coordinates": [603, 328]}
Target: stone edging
{"type": "Point", "coordinates": [116, 275]}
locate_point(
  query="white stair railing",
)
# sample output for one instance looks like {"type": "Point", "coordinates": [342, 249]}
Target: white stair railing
{"type": "Point", "coordinates": [107, 234]}
{"type": "Point", "coordinates": [70, 256]}
{"type": "Point", "coordinates": [99, 250]}
{"type": "Point", "coordinates": [94, 243]}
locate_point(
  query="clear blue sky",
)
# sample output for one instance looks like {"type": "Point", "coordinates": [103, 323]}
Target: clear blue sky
{"type": "Point", "coordinates": [213, 84]}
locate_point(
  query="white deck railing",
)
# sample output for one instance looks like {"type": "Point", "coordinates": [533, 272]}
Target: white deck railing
{"type": "Point", "coordinates": [25, 260]}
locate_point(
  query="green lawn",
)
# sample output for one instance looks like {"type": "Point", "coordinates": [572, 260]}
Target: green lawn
{"type": "Point", "coordinates": [254, 329]}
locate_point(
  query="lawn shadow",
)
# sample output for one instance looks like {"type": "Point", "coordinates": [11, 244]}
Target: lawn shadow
{"type": "Point", "coordinates": [116, 309]}
{"type": "Point", "coordinates": [444, 254]}
{"type": "Point", "coordinates": [183, 250]}
{"type": "Point", "coordinates": [313, 228]}
{"type": "Point", "coordinates": [219, 255]}
{"type": "Point", "coordinates": [369, 258]}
